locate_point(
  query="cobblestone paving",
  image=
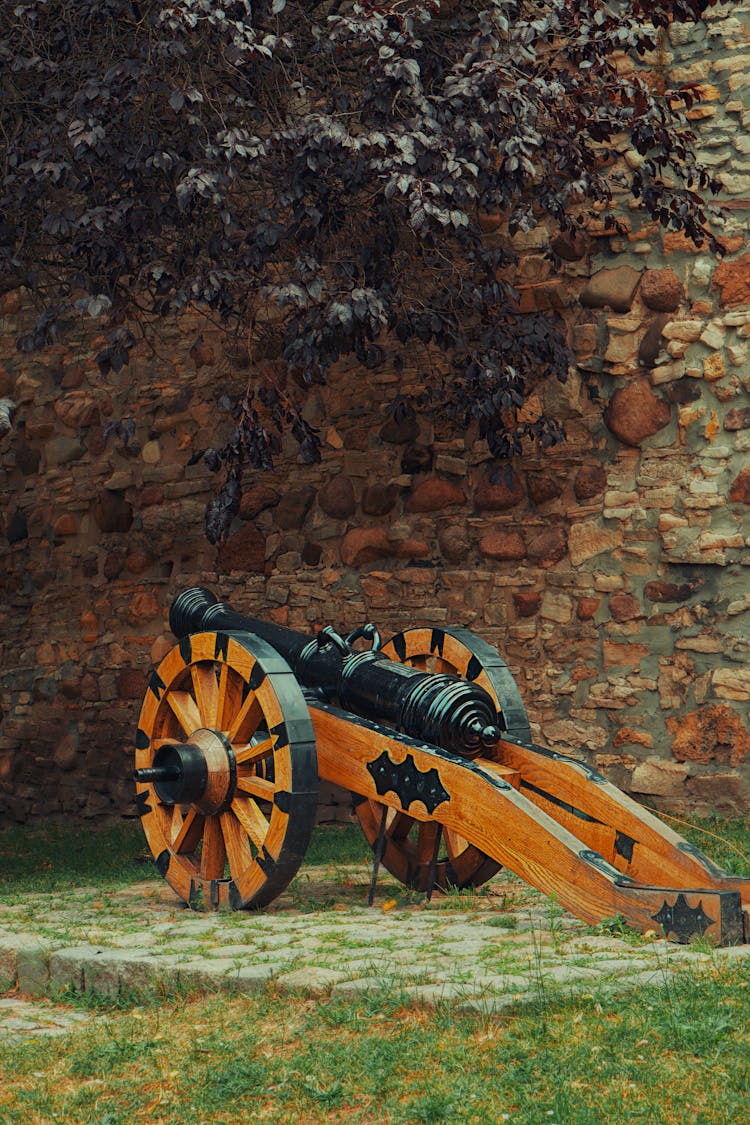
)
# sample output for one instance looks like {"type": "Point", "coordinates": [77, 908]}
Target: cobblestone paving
{"type": "Point", "coordinates": [21, 1018]}
{"type": "Point", "coordinates": [488, 952]}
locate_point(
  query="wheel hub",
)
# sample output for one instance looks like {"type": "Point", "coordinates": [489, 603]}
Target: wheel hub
{"type": "Point", "coordinates": [200, 772]}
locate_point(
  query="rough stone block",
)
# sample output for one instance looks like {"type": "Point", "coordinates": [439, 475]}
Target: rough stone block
{"type": "Point", "coordinates": [557, 607]}
{"type": "Point", "coordinates": [544, 486]}
{"type": "Point", "coordinates": [722, 793]}
{"type": "Point", "coordinates": [712, 733]}
{"type": "Point", "coordinates": [498, 496]}
{"type": "Point", "coordinates": [733, 277]}
{"type": "Point", "coordinates": [8, 972]}
{"type": "Point", "coordinates": [244, 551]}
{"type": "Point", "coordinates": [549, 546]}
{"type": "Point", "coordinates": [502, 545]}
{"type": "Point", "coordinates": [336, 498]}
{"type": "Point", "coordinates": [588, 539]}
{"type": "Point", "coordinates": [659, 778]}
{"type": "Point", "coordinates": [731, 683]}
{"type": "Point", "coordinates": [435, 495]}
{"type": "Point", "coordinates": [112, 512]}
{"type": "Point", "coordinates": [291, 511]}
{"type": "Point", "coordinates": [662, 290]}
{"type": "Point", "coordinates": [615, 288]}
{"type": "Point", "coordinates": [32, 968]}
{"type": "Point", "coordinates": [62, 450]}
{"type": "Point", "coordinates": [740, 490]}
{"type": "Point", "coordinates": [634, 413]}
{"type": "Point", "coordinates": [379, 499]}
{"type": "Point", "coordinates": [363, 545]}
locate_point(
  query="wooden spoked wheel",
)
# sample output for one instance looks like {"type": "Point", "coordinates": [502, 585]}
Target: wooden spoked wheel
{"type": "Point", "coordinates": [226, 770]}
{"type": "Point", "coordinates": [410, 844]}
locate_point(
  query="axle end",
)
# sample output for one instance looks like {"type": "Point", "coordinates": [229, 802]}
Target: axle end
{"type": "Point", "coordinates": [156, 773]}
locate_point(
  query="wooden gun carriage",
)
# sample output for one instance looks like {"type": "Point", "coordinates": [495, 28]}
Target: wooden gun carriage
{"type": "Point", "coordinates": [429, 733]}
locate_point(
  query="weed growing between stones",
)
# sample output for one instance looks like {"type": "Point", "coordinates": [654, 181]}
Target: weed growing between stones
{"type": "Point", "coordinates": [503, 921]}
{"type": "Point", "coordinates": [616, 926]}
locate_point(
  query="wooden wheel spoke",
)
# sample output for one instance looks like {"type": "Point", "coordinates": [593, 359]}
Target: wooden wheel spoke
{"type": "Point", "coordinates": [246, 721]}
{"type": "Point", "coordinates": [186, 833]}
{"type": "Point", "coordinates": [257, 786]}
{"type": "Point", "coordinates": [252, 819]}
{"type": "Point", "coordinates": [213, 853]}
{"type": "Point", "coordinates": [221, 699]}
{"type": "Point", "coordinates": [252, 752]}
{"type": "Point", "coordinates": [400, 826]}
{"type": "Point", "coordinates": [455, 844]}
{"type": "Point", "coordinates": [236, 842]}
{"type": "Point", "coordinates": [428, 833]}
{"type": "Point", "coordinates": [231, 697]}
{"type": "Point", "coordinates": [185, 710]}
{"type": "Point", "coordinates": [176, 822]}
{"type": "Point", "coordinates": [206, 692]}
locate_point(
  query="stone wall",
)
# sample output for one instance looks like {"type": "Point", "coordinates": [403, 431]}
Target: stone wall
{"type": "Point", "coordinates": [612, 572]}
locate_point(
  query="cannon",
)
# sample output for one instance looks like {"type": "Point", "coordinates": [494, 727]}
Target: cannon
{"type": "Point", "coordinates": [429, 733]}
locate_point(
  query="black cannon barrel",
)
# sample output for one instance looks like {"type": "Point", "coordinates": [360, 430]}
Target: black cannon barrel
{"type": "Point", "coordinates": [439, 708]}
{"type": "Point", "coordinates": [199, 609]}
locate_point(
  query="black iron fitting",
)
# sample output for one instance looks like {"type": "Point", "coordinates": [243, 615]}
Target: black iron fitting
{"type": "Point", "coordinates": [179, 773]}
{"type": "Point", "coordinates": [360, 689]}
{"type": "Point", "coordinates": [154, 773]}
{"type": "Point", "coordinates": [316, 674]}
{"type": "Point", "coordinates": [188, 610]}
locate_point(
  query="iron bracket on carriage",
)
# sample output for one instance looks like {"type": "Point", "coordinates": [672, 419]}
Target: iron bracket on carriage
{"type": "Point", "coordinates": [429, 733]}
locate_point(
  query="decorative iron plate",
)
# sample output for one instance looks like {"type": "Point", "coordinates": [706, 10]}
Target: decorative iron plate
{"type": "Point", "coordinates": [681, 919]}
{"type": "Point", "coordinates": [408, 782]}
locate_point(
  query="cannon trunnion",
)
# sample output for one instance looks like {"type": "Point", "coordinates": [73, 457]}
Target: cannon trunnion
{"type": "Point", "coordinates": [430, 734]}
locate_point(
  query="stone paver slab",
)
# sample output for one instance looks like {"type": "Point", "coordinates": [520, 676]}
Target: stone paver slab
{"type": "Point", "coordinates": [66, 966]}
{"type": "Point", "coordinates": [312, 980]}
{"type": "Point", "coordinates": [32, 968]}
{"type": "Point", "coordinates": [21, 1020]}
{"type": "Point", "coordinates": [253, 978]}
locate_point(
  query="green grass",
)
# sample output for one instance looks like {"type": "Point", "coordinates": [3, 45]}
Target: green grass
{"type": "Point", "coordinates": [41, 858]}
{"type": "Point", "coordinates": [726, 842]}
{"type": "Point", "coordinates": [668, 1054]}
{"type": "Point", "coordinates": [53, 857]}
{"type": "Point", "coordinates": [337, 844]}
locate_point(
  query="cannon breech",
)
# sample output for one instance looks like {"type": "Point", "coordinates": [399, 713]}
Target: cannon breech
{"type": "Point", "coordinates": [430, 735]}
